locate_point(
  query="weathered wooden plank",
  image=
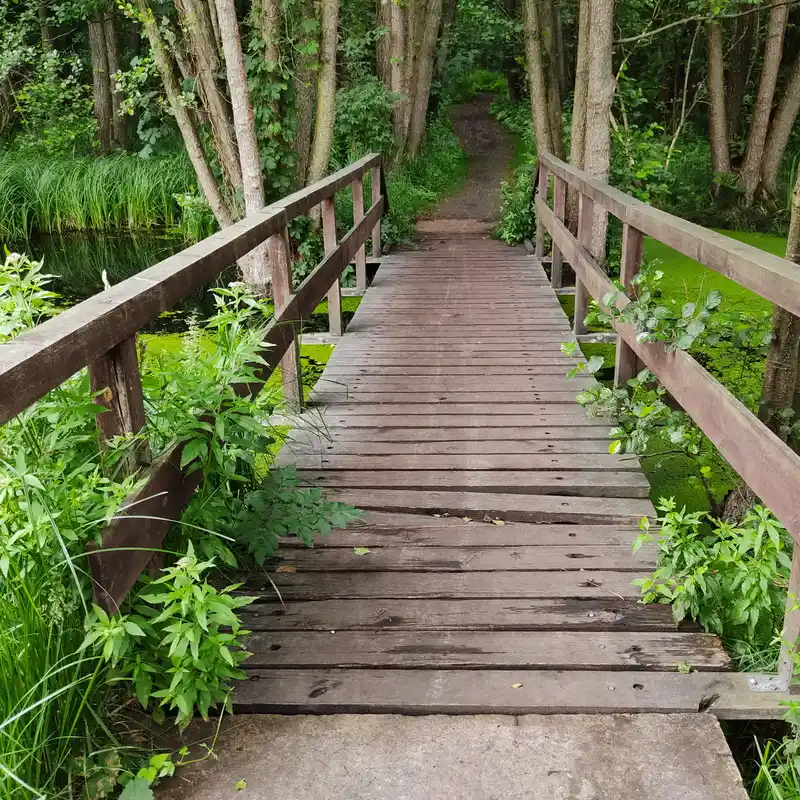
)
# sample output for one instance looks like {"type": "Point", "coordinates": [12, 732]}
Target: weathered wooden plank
{"type": "Point", "coordinates": [565, 462]}
{"type": "Point", "coordinates": [523, 508]}
{"type": "Point", "coordinates": [334, 420]}
{"type": "Point", "coordinates": [320, 433]}
{"type": "Point", "coordinates": [482, 447]}
{"type": "Point", "coordinates": [726, 695]}
{"type": "Point", "coordinates": [444, 585]}
{"type": "Point", "coordinates": [580, 484]}
{"type": "Point", "coordinates": [466, 615]}
{"type": "Point", "coordinates": [565, 650]}
{"type": "Point", "coordinates": [410, 369]}
{"type": "Point", "coordinates": [330, 393]}
{"type": "Point", "coordinates": [408, 558]}
{"type": "Point", "coordinates": [414, 409]}
{"type": "Point", "coordinates": [380, 529]}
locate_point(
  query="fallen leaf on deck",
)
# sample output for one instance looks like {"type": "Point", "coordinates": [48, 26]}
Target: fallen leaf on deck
{"type": "Point", "coordinates": [467, 519]}
{"type": "Point", "coordinates": [287, 568]}
{"type": "Point", "coordinates": [240, 785]}
{"type": "Point", "coordinates": [361, 551]}
{"type": "Point", "coordinates": [498, 522]}
{"type": "Point", "coordinates": [516, 685]}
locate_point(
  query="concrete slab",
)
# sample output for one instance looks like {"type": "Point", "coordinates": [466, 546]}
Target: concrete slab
{"type": "Point", "coordinates": [377, 757]}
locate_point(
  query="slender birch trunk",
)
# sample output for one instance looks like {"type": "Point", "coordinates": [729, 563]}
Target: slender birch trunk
{"type": "Point", "coordinates": [326, 92]}
{"type": "Point", "coordinates": [540, 104]}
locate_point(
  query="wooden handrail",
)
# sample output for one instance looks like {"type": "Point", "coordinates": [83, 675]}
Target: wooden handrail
{"type": "Point", "coordinates": [44, 357]}
{"type": "Point", "coordinates": [101, 333]}
{"type": "Point", "coordinates": [766, 463]}
{"type": "Point", "coordinates": [769, 276]}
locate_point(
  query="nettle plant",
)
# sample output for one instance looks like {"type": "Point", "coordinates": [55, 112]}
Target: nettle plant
{"type": "Point", "coordinates": [731, 579]}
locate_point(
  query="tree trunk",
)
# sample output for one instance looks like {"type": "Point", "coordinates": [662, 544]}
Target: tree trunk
{"type": "Point", "coordinates": [45, 32]}
{"type": "Point", "coordinates": [195, 19]}
{"type": "Point", "coordinates": [326, 92]}
{"type": "Point", "coordinates": [600, 83]}
{"type": "Point", "coordinates": [270, 34]}
{"type": "Point", "coordinates": [779, 132]}
{"type": "Point", "coordinates": [254, 266]}
{"type": "Point", "coordinates": [120, 122]}
{"type": "Point", "coordinates": [448, 15]}
{"type": "Point", "coordinates": [750, 175]}
{"type": "Point", "coordinates": [547, 29]}
{"type": "Point", "coordinates": [540, 104]}
{"type": "Point", "coordinates": [415, 17]}
{"type": "Point", "coordinates": [304, 90]}
{"type": "Point", "coordinates": [212, 15]}
{"type": "Point", "coordinates": [736, 81]}
{"type": "Point", "coordinates": [191, 139]}
{"type": "Point", "coordinates": [383, 45]}
{"type": "Point", "coordinates": [101, 84]}
{"type": "Point", "coordinates": [577, 149]}
{"type": "Point", "coordinates": [398, 74]}
{"type": "Point", "coordinates": [717, 121]}
{"type": "Point", "coordinates": [424, 76]}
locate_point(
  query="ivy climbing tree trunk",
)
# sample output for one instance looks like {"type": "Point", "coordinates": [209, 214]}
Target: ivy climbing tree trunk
{"type": "Point", "coordinates": [101, 83]}
{"type": "Point", "coordinates": [304, 85]}
{"type": "Point", "coordinates": [578, 131]}
{"type": "Point", "coordinates": [254, 266]}
{"type": "Point", "coordinates": [540, 106]}
{"type": "Point", "coordinates": [547, 14]}
{"type": "Point", "coordinates": [717, 119]}
{"type": "Point", "coordinates": [423, 77]}
{"type": "Point", "coordinates": [779, 132]}
{"type": "Point", "coordinates": [397, 43]}
{"type": "Point", "coordinates": [183, 118]}
{"type": "Point", "coordinates": [326, 92]}
{"type": "Point", "coordinates": [383, 48]}
{"type": "Point", "coordinates": [736, 80]}
{"type": "Point", "coordinates": [195, 19]}
{"type": "Point", "coordinates": [750, 175]}
{"type": "Point", "coordinates": [120, 123]}
{"type": "Point", "coordinates": [600, 93]}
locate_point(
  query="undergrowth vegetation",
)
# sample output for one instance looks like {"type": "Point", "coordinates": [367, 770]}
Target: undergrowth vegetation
{"type": "Point", "coordinates": [71, 671]}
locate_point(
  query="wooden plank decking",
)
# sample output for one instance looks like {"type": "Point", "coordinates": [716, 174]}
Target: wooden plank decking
{"type": "Point", "coordinates": [499, 569]}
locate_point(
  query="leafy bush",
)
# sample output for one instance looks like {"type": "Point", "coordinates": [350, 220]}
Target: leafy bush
{"type": "Point", "coordinates": [363, 121]}
{"type": "Point", "coordinates": [517, 216]}
{"type": "Point", "coordinates": [730, 579]}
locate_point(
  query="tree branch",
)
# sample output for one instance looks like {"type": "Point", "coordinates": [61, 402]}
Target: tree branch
{"type": "Point", "coordinates": [702, 18]}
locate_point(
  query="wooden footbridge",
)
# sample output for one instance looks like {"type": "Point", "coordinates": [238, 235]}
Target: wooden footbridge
{"type": "Point", "coordinates": [492, 570]}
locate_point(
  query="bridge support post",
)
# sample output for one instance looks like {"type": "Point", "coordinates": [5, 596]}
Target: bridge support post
{"type": "Point", "coordinates": [115, 375]}
{"type": "Point", "coordinates": [376, 195]}
{"type": "Point", "coordinates": [632, 245]}
{"type": "Point", "coordinates": [585, 224]}
{"type": "Point", "coordinates": [280, 262]}
{"type": "Point", "coordinates": [542, 191]}
{"type": "Point", "coordinates": [335, 292]}
{"type": "Point", "coordinates": [560, 210]}
{"type": "Point", "coordinates": [361, 254]}
{"type": "Point", "coordinates": [791, 626]}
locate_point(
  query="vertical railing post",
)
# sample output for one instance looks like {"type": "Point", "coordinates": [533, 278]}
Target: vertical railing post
{"type": "Point", "coordinates": [376, 195]}
{"type": "Point", "coordinates": [280, 261]}
{"type": "Point", "coordinates": [358, 215]}
{"type": "Point", "coordinates": [791, 626]}
{"type": "Point", "coordinates": [631, 261]}
{"type": "Point", "coordinates": [585, 225]}
{"type": "Point", "coordinates": [335, 292]}
{"type": "Point", "coordinates": [542, 192]}
{"type": "Point", "coordinates": [560, 210]}
{"type": "Point", "coordinates": [115, 379]}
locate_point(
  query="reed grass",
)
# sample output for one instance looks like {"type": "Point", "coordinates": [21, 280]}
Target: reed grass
{"type": "Point", "coordinates": [55, 194]}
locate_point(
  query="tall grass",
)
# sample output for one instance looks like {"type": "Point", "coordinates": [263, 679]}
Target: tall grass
{"type": "Point", "coordinates": [54, 194]}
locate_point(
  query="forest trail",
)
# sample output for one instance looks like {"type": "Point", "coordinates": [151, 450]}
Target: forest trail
{"type": "Point", "coordinates": [490, 150]}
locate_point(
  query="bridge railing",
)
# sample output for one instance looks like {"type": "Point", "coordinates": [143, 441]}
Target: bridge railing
{"type": "Point", "coordinates": [766, 463]}
{"type": "Point", "coordinates": [100, 333]}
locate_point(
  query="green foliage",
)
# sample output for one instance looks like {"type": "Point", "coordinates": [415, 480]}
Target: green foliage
{"type": "Point", "coordinates": [181, 644]}
{"type": "Point", "coordinates": [277, 508]}
{"type": "Point", "coordinates": [730, 579]}
{"type": "Point", "coordinates": [363, 121]}
{"type": "Point", "coordinates": [65, 193]}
